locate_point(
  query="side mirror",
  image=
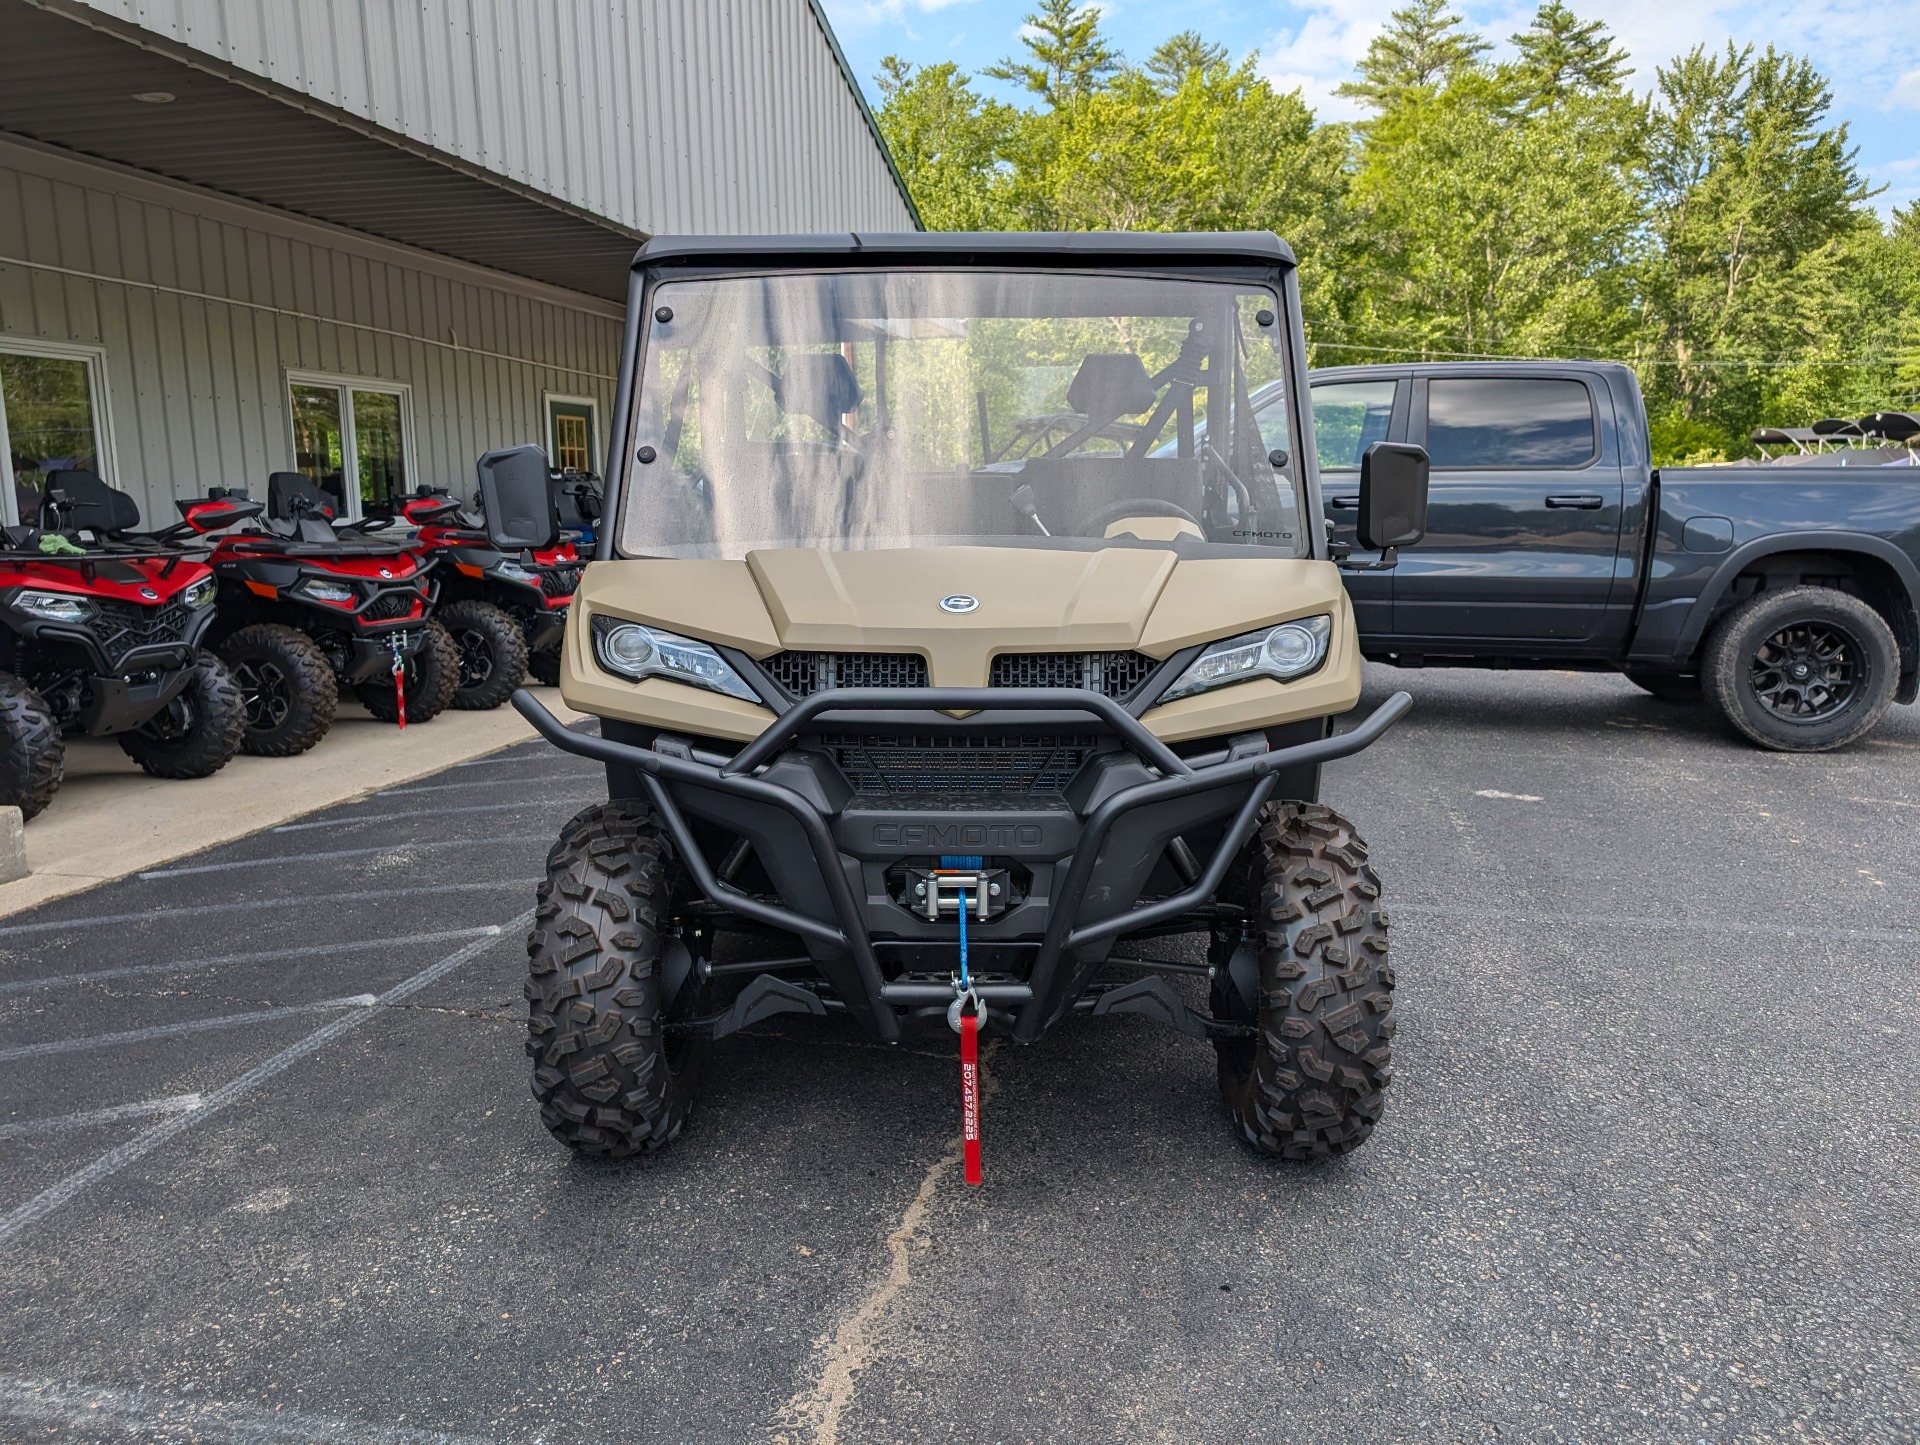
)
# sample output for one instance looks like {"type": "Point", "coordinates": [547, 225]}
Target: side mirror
{"type": "Point", "coordinates": [517, 499]}
{"type": "Point", "coordinates": [1393, 496]}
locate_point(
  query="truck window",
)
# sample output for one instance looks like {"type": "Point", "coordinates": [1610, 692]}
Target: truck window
{"type": "Point", "coordinates": [1505, 421]}
{"type": "Point", "coordinates": [1349, 417]}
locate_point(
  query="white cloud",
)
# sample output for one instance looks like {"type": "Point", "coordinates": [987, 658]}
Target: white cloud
{"type": "Point", "coordinates": [1905, 94]}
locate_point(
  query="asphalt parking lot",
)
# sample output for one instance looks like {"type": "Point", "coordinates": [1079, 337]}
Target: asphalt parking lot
{"type": "Point", "coordinates": [269, 1170]}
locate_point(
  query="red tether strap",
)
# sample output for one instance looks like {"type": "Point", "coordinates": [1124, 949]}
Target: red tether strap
{"type": "Point", "coordinates": [970, 1093]}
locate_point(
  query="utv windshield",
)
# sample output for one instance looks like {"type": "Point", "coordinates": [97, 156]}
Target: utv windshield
{"type": "Point", "coordinates": [929, 408]}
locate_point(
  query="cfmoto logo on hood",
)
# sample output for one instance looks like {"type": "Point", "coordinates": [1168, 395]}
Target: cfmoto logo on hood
{"type": "Point", "coordinates": [152, 596]}
{"type": "Point", "coordinates": [959, 602]}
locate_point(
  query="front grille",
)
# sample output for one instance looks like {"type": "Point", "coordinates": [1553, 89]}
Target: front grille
{"type": "Point", "coordinates": [801, 674]}
{"type": "Point", "coordinates": [390, 607]}
{"type": "Point", "coordinates": [123, 626]}
{"type": "Point", "coordinates": [1002, 764]}
{"type": "Point", "coordinates": [561, 581]}
{"type": "Point", "coordinates": [1116, 674]}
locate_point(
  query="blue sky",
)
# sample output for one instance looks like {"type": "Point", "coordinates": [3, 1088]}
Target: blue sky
{"type": "Point", "coordinates": [1868, 49]}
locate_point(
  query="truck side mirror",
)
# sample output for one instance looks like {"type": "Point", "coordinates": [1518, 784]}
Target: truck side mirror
{"type": "Point", "coordinates": [518, 500]}
{"type": "Point", "coordinates": [1393, 496]}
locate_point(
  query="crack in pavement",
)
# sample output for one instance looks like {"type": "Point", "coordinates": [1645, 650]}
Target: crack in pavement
{"type": "Point", "coordinates": [813, 1415]}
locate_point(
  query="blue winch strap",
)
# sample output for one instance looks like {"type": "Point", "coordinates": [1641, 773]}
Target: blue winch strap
{"type": "Point", "coordinates": [965, 982]}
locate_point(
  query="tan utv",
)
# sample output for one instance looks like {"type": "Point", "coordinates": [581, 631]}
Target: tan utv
{"type": "Point", "coordinates": [957, 627]}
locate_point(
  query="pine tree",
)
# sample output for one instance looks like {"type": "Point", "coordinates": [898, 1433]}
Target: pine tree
{"type": "Point", "coordinates": [1561, 56]}
{"type": "Point", "coordinates": [1068, 56]}
{"type": "Point", "coordinates": [1424, 44]}
{"type": "Point", "coordinates": [1183, 55]}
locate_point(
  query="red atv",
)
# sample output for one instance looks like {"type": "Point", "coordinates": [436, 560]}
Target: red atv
{"type": "Point", "coordinates": [100, 633]}
{"type": "Point", "coordinates": [309, 605]}
{"type": "Point", "coordinates": [505, 611]}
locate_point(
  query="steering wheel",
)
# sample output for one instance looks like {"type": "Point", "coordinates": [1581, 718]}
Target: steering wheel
{"type": "Point", "coordinates": [1095, 523]}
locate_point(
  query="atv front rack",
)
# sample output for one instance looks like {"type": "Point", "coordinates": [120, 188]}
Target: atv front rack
{"type": "Point", "coordinates": [842, 947]}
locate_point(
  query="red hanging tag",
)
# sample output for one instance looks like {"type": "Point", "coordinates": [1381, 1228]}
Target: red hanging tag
{"type": "Point", "coordinates": [970, 1093]}
{"type": "Point", "coordinates": [400, 689]}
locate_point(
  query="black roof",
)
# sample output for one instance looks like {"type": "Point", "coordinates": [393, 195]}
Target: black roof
{"type": "Point", "coordinates": [921, 248]}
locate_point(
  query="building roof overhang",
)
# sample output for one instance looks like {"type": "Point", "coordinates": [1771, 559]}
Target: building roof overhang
{"type": "Point", "coordinates": [71, 82]}
{"type": "Point", "coordinates": [1089, 249]}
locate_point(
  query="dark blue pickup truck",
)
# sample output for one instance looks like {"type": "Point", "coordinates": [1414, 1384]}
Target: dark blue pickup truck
{"type": "Point", "coordinates": [1788, 595]}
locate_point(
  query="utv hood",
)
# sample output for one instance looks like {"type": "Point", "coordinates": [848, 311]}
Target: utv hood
{"type": "Point", "coordinates": [1026, 599]}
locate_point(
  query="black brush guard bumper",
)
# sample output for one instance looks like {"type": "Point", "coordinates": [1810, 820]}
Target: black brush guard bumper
{"type": "Point", "coordinates": [841, 945]}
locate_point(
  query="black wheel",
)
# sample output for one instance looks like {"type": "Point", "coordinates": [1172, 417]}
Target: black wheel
{"type": "Point", "coordinates": [196, 734]}
{"type": "Point", "coordinates": [33, 756]}
{"type": "Point", "coordinates": [544, 666]}
{"type": "Point", "coordinates": [286, 686]}
{"type": "Point", "coordinates": [1313, 979]}
{"type": "Point", "coordinates": [432, 673]}
{"type": "Point", "coordinates": [610, 1076]}
{"type": "Point", "coordinates": [1802, 670]}
{"type": "Point", "coordinates": [493, 653]}
{"type": "Point", "coordinates": [1667, 686]}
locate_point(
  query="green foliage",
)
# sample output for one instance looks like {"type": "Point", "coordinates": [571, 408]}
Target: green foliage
{"type": "Point", "coordinates": [1717, 236]}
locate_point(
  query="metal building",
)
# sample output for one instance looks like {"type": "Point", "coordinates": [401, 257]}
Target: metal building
{"type": "Point", "coordinates": [371, 240]}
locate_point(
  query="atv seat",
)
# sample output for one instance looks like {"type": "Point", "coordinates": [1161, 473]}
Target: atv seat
{"type": "Point", "coordinates": [92, 505]}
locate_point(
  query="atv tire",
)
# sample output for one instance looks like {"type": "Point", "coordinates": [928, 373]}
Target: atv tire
{"type": "Point", "coordinates": [544, 666]}
{"type": "Point", "coordinates": [287, 687]}
{"type": "Point", "coordinates": [432, 673]}
{"type": "Point", "coordinates": [1803, 670]}
{"type": "Point", "coordinates": [609, 1077]}
{"type": "Point", "coordinates": [197, 734]}
{"type": "Point", "coordinates": [33, 756]}
{"type": "Point", "coordinates": [1667, 686]}
{"type": "Point", "coordinates": [1310, 1083]}
{"type": "Point", "coordinates": [493, 653]}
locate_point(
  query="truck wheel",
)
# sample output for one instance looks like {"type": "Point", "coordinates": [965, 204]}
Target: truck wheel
{"type": "Point", "coordinates": [1667, 686]}
{"type": "Point", "coordinates": [609, 1078]}
{"type": "Point", "coordinates": [433, 671]}
{"type": "Point", "coordinates": [286, 686]}
{"type": "Point", "coordinates": [1804, 670]}
{"type": "Point", "coordinates": [544, 666]}
{"type": "Point", "coordinates": [197, 734]}
{"type": "Point", "coordinates": [493, 653]}
{"type": "Point", "coordinates": [1310, 1084]}
{"type": "Point", "coordinates": [33, 756]}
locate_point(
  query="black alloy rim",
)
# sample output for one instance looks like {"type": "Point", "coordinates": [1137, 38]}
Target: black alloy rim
{"type": "Point", "coordinates": [1807, 672]}
{"type": "Point", "coordinates": [268, 695]}
{"type": "Point", "coordinates": [476, 659]}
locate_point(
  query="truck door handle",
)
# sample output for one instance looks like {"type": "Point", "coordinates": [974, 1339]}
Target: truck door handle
{"type": "Point", "coordinates": [1344, 504]}
{"type": "Point", "coordinates": [1581, 502]}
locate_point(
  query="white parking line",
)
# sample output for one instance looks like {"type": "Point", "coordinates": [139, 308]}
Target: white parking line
{"type": "Point", "coordinates": [258, 905]}
{"type": "Point", "coordinates": [438, 812]}
{"type": "Point", "coordinates": [149, 1415]}
{"type": "Point", "coordinates": [143, 1144]}
{"type": "Point", "coordinates": [61, 1123]}
{"type": "Point", "coordinates": [271, 955]}
{"type": "Point", "coordinates": [330, 854]}
{"type": "Point", "coordinates": [191, 1026]}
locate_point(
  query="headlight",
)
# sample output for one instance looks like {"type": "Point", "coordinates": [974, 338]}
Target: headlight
{"type": "Point", "coordinates": [1290, 650]}
{"type": "Point", "coordinates": [321, 591]}
{"type": "Point", "coordinates": [629, 650]}
{"type": "Point", "coordinates": [201, 593]}
{"type": "Point", "coordinates": [514, 572]}
{"type": "Point", "coordinates": [54, 606]}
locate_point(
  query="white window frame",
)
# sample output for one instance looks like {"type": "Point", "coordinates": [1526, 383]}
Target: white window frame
{"type": "Point", "coordinates": [591, 403]}
{"type": "Point", "coordinates": [349, 443]}
{"type": "Point", "coordinates": [103, 444]}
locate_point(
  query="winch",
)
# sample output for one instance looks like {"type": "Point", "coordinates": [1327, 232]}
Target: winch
{"type": "Point", "coordinates": [958, 882]}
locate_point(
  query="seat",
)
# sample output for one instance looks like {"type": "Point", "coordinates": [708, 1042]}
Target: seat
{"type": "Point", "coordinates": [92, 505]}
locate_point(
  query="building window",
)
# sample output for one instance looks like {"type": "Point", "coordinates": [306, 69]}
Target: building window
{"type": "Point", "coordinates": [353, 440]}
{"type": "Point", "coordinates": [570, 433]}
{"type": "Point", "coordinates": [52, 417]}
